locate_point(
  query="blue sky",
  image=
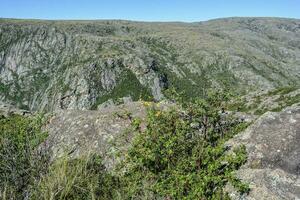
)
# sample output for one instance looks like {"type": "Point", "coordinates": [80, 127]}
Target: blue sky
{"type": "Point", "coordinates": [147, 10]}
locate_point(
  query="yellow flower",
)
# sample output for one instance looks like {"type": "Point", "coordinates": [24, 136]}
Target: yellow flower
{"type": "Point", "coordinates": [158, 113]}
{"type": "Point", "coordinates": [146, 103]}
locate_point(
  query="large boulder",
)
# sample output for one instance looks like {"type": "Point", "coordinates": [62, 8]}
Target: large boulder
{"type": "Point", "coordinates": [273, 146]}
{"type": "Point", "coordinates": [79, 132]}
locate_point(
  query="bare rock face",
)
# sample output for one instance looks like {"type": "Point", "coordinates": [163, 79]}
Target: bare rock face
{"type": "Point", "coordinates": [273, 146]}
{"type": "Point", "coordinates": [79, 132]}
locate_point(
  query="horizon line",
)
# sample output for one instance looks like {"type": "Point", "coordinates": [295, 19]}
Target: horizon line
{"type": "Point", "coordinates": [150, 21]}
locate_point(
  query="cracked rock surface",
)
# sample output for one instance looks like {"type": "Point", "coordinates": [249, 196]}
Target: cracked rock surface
{"type": "Point", "coordinates": [273, 146]}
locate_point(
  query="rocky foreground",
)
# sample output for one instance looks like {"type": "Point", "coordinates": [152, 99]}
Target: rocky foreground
{"type": "Point", "coordinates": [272, 143]}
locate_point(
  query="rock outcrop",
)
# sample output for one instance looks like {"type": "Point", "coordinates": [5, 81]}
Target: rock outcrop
{"type": "Point", "coordinates": [76, 132]}
{"type": "Point", "coordinates": [272, 143]}
{"type": "Point", "coordinates": [79, 132]}
{"type": "Point", "coordinates": [273, 146]}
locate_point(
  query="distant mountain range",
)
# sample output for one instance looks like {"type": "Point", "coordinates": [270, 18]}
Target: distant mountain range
{"type": "Point", "coordinates": [46, 65]}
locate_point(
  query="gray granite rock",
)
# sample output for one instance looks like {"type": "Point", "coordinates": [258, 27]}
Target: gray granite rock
{"type": "Point", "coordinates": [273, 146]}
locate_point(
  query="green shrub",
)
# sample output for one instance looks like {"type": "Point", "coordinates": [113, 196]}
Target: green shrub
{"type": "Point", "coordinates": [171, 159]}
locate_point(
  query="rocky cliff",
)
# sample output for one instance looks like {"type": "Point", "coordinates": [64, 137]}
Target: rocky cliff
{"type": "Point", "coordinates": [45, 65]}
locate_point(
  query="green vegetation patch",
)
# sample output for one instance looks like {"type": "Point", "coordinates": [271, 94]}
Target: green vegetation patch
{"type": "Point", "coordinates": [80, 178]}
{"type": "Point", "coordinates": [20, 164]}
{"type": "Point", "coordinates": [179, 154]}
{"type": "Point", "coordinates": [281, 97]}
{"type": "Point", "coordinates": [129, 85]}
{"type": "Point", "coordinates": [171, 159]}
{"type": "Point", "coordinates": [282, 90]}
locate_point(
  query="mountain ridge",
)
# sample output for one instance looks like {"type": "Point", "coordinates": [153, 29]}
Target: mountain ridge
{"type": "Point", "coordinates": [45, 65]}
{"type": "Point", "coordinates": [146, 21]}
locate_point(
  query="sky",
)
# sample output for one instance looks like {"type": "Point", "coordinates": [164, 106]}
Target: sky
{"type": "Point", "coordinates": [148, 10]}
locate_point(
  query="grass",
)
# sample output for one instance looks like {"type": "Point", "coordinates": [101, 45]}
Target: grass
{"type": "Point", "coordinates": [26, 172]}
{"type": "Point", "coordinates": [81, 178]}
{"type": "Point", "coordinates": [20, 164]}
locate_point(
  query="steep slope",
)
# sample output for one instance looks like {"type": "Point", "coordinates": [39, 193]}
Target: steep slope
{"type": "Point", "coordinates": [46, 65]}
